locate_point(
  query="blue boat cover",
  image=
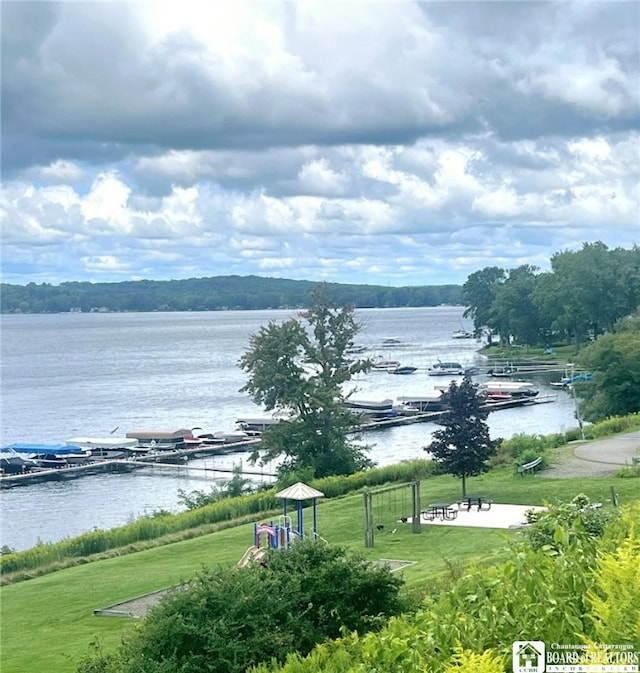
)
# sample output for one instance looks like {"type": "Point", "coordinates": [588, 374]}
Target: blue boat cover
{"type": "Point", "coordinates": [44, 449]}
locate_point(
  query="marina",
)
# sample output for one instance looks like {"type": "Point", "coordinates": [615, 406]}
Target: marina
{"type": "Point", "coordinates": [168, 448]}
{"type": "Point", "coordinates": [68, 377]}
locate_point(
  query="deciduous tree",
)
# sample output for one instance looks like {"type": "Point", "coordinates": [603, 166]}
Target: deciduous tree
{"type": "Point", "coordinates": [300, 367]}
{"type": "Point", "coordinates": [614, 360]}
{"type": "Point", "coordinates": [478, 293]}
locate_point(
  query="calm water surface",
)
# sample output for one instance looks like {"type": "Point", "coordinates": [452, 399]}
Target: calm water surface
{"type": "Point", "coordinates": [67, 375]}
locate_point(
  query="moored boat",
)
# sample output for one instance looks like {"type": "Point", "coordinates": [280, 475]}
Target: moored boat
{"type": "Point", "coordinates": [50, 455]}
{"type": "Point", "coordinates": [256, 424]}
{"type": "Point", "coordinates": [384, 364]}
{"type": "Point", "coordinates": [508, 390]}
{"type": "Point", "coordinates": [159, 439]}
{"type": "Point", "coordinates": [104, 448]}
{"type": "Point", "coordinates": [11, 464]}
{"type": "Point", "coordinates": [430, 401]}
{"type": "Point", "coordinates": [403, 370]}
{"type": "Point", "coordinates": [462, 334]}
{"type": "Point", "coordinates": [446, 369]}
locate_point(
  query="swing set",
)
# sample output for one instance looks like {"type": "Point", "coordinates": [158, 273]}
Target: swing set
{"type": "Point", "coordinates": [387, 508]}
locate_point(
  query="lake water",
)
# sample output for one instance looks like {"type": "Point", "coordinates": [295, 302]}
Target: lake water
{"type": "Point", "coordinates": [68, 375]}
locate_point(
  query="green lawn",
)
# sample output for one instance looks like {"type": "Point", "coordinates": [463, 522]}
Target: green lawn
{"type": "Point", "coordinates": [48, 622]}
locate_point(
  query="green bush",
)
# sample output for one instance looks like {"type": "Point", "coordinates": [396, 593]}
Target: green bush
{"type": "Point", "coordinates": [612, 426]}
{"type": "Point", "coordinates": [230, 619]}
{"type": "Point", "coordinates": [555, 529]}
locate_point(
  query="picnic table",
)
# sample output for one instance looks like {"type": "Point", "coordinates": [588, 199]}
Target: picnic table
{"type": "Point", "coordinates": [475, 500]}
{"type": "Point", "coordinates": [440, 510]}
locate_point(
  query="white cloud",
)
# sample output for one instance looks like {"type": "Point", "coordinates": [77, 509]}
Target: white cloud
{"type": "Point", "coordinates": [391, 142]}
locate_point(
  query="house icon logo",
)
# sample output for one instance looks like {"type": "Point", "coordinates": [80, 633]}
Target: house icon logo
{"type": "Point", "coordinates": [528, 656]}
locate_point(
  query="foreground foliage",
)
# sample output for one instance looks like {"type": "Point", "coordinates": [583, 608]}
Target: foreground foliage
{"type": "Point", "coordinates": [229, 619]}
{"type": "Point", "coordinates": [580, 586]}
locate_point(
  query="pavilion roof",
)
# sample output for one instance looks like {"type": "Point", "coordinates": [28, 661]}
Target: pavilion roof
{"type": "Point", "coordinates": [299, 491]}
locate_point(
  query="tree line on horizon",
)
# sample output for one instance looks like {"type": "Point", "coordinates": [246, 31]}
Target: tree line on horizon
{"type": "Point", "coordinates": [216, 293]}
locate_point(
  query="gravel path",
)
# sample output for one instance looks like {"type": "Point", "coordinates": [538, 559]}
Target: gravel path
{"type": "Point", "coordinates": [598, 458]}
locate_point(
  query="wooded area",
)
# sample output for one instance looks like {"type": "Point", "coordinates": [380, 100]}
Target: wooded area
{"type": "Point", "coordinates": [583, 295]}
{"type": "Point", "coordinates": [211, 294]}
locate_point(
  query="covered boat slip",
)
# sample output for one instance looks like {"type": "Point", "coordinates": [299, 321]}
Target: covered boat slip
{"type": "Point", "coordinates": [160, 438]}
{"type": "Point", "coordinates": [31, 449]}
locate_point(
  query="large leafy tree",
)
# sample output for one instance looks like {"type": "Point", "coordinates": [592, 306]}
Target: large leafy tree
{"type": "Point", "coordinates": [590, 289]}
{"type": "Point", "coordinates": [614, 360]}
{"type": "Point", "coordinates": [300, 367]}
{"type": "Point", "coordinates": [230, 620]}
{"type": "Point", "coordinates": [462, 447]}
{"type": "Point", "coordinates": [513, 311]}
{"type": "Point", "coordinates": [478, 293]}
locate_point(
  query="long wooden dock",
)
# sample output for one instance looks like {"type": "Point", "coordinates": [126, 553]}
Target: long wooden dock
{"type": "Point", "coordinates": [174, 459]}
{"type": "Point", "coordinates": [180, 457]}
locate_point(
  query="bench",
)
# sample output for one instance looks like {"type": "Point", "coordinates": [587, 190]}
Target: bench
{"type": "Point", "coordinates": [529, 467]}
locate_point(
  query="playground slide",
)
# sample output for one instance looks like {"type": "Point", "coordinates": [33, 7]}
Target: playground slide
{"type": "Point", "coordinates": [253, 553]}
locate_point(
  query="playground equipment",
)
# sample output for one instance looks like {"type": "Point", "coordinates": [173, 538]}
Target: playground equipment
{"type": "Point", "coordinates": [253, 553]}
{"type": "Point", "coordinates": [280, 535]}
{"type": "Point", "coordinates": [277, 536]}
{"type": "Point", "coordinates": [392, 507]}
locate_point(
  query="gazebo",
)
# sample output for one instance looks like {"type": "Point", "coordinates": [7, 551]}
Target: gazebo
{"type": "Point", "coordinates": [301, 492]}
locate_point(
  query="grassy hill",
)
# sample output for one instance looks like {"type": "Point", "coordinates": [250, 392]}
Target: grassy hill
{"type": "Point", "coordinates": [48, 622]}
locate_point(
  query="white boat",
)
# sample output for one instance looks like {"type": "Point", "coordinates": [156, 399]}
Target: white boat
{"type": "Point", "coordinates": [446, 369]}
{"type": "Point", "coordinates": [384, 364]}
{"type": "Point", "coordinates": [105, 448]}
{"type": "Point", "coordinates": [506, 390]}
{"type": "Point", "coordinates": [50, 455]}
{"type": "Point", "coordinates": [462, 334]}
{"type": "Point", "coordinates": [431, 401]}
{"type": "Point", "coordinates": [451, 369]}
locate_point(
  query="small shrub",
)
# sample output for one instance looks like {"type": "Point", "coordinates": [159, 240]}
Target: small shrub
{"type": "Point", "coordinates": [629, 471]}
{"type": "Point", "coordinates": [466, 661]}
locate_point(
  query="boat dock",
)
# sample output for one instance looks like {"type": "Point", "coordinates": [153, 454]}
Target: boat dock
{"type": "Point", "coordinates": [175, 459]}
{"type": "Point", "coordinates": [435, 416]}
{"type": "Point", "coordinates": [179, 458]}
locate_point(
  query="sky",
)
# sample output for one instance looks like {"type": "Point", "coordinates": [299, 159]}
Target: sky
{"type": "Point", "coordinates": [380, 142]}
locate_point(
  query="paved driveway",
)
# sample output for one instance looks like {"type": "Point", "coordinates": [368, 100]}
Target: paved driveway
{"type": "Point", "coordinates": [598, 458]}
